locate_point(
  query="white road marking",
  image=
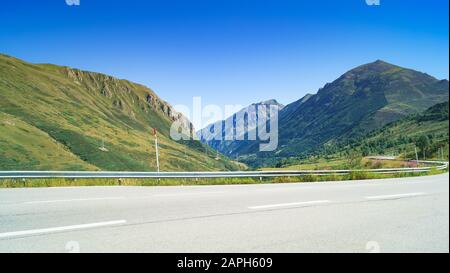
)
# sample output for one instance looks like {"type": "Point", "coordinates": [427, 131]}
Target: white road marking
{"type": "Point", "coordinates": [291, 204]}
{"type": "Point", "coordinates": [73, 200]}
{"type": "Point", "coordinates": [59, 229]}
{"type": "Point", "coordinates": [186, 193]}
{"type": "Point", "coordinates": [394, 196]}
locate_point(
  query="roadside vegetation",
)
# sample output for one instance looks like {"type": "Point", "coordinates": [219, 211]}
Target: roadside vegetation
{"type": "Point", "coordinates": [353, 162]}
{"type": "Point", "coordinates": [62, 182]}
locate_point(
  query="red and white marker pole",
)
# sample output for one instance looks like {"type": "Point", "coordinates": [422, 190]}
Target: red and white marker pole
{"type": "Point", "coordinates": [155, 133]}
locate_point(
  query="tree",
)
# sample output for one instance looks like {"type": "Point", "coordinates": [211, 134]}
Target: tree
{"type": "Point", "coordinates": [365, 150]}
{"type": "Point", "coordinates": [423, 142]}
{"type": "Point", "coordinates": [354, 159]}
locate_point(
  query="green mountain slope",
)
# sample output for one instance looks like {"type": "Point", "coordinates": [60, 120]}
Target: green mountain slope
{"type": "Point", "coordinates": [400, 137]}
{"type": "Point", "coordinates": [59, 118]}
{"type": "Point", "coordinates": [362, 100]}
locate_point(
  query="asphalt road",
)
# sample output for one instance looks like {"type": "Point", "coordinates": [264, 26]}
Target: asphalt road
{"type": "Point", "coordinates": [391, 215]}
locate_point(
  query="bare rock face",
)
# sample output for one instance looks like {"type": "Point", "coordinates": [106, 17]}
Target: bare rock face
{"type": "Point", "coordinates": [122, 95]}
{"type": "Point", "coordinates": [149, 98]}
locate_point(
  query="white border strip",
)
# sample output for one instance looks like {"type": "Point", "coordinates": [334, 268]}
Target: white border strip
{"type": "Point", "coordinates": [73, 200]}
{"type": "Point", "coordinates": [59, 229]}
{"type": "Point", "coordinates": [395, 196]}
{"type": "Point", "coordinates": [291, 204]}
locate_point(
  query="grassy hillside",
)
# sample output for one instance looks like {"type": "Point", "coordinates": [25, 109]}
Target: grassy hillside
{"type": "Point", "coordinates": [57, 118]}
{"type": "Point", "coordinates": [398, 138]}
{"type": "Point", "coordinates": [22, 145]}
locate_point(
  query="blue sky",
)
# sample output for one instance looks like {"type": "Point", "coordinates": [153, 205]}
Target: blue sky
{"type": "Point", "coordinates": [228, 51]}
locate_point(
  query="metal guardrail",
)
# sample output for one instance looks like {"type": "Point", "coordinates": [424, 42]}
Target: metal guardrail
{"type": "Point", "coordinates": [92, 175]}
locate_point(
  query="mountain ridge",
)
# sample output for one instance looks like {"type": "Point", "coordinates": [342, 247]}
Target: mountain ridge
{"type": "Point", "coordinates": [230, 124]}
{"type": "Point", "coordinates": [83, 111]}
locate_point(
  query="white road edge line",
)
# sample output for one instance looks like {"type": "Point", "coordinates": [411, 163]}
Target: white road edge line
{"type": "Point", "coordinates": [59, 229]}
{"type": "Point", "coordinates": [395, 196]}
{"type": "Point", "coordinates": [291, 204]}
{"type": "Point", "coordinates": [73, 200]}
{"type": "Point", "coordinates": [186, 193]}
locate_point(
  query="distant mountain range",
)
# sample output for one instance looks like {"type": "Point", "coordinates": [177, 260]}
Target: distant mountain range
{"type": "Point", "coordinates": [229, 127]}
{"type": "Point", "coordinates": [60, 118]}
{"type": "Point", "coordinates": [361, 100]}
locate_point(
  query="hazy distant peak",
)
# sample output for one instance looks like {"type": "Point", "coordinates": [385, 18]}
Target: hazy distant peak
{"type": "Point", "coordinates": [270, 102]}
{"type": "Point", "coordinates": [306, 97]}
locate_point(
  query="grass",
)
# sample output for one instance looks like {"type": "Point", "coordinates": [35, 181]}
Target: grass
{"type": "Point", "coordinates": [23, 146]}
{"type": "Point", "coordinates": [343, 164]}
{"type": "Point", "coordinates": [314, 164]}
{"type": "Point", "coordinates": [58, 182]}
